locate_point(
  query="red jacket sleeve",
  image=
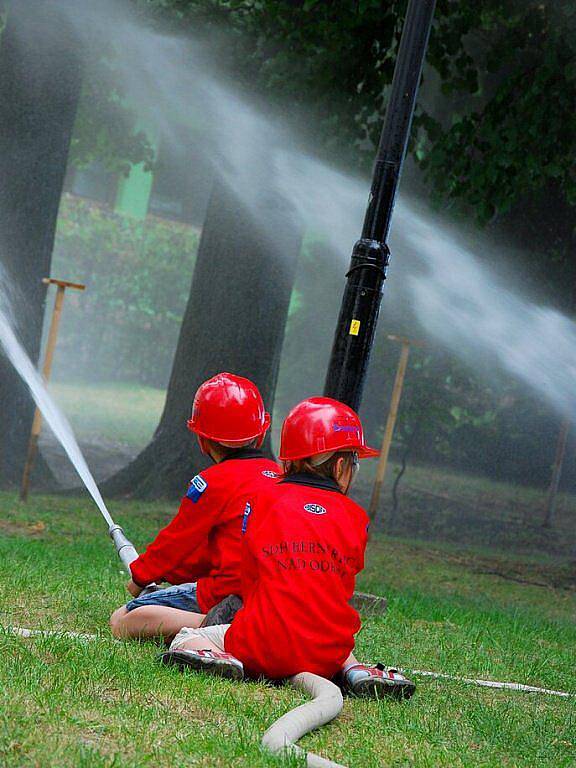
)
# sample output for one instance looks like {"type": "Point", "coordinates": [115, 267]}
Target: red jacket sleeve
{"type": "Point", "coordinates": [188, 531]}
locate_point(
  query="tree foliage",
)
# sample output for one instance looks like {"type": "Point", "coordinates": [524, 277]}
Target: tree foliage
{"type": "Point", "coordinates": [496, 128]}
{"type": "Point", "coordinates": [151, 262]}
{"type": "Point", "coordinates": [107, 128]}
{"type": "Point", "coordinates": [506, 70]}
{"type": "Point", "coordinates": [520, 136]}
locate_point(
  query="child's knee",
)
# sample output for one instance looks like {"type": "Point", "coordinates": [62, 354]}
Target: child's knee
{"type": "Point", "coordinates": [117, 621]}
{"type": "Point", "coordinates": [201, 638]}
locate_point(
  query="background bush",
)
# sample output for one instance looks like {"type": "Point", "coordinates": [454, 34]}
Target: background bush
{"type": "Point", "coordinates": [125, 326]}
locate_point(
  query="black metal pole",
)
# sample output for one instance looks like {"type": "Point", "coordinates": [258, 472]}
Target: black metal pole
{"type": "Point", "coordinates": [363, 293]}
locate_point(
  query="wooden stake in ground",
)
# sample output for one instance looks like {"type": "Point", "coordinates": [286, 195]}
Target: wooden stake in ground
{"type": "Point", "coordinates": [391, 421]}
{"type": "Point", "coordinates": [556, 473]}
{"type": "Point", "coordinates": [61, 286]}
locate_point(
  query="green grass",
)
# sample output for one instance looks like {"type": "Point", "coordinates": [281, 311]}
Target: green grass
{"type": "Point", "coordinates": [72, 703]}
{"type": "Point", "coordinates": [115, 413]}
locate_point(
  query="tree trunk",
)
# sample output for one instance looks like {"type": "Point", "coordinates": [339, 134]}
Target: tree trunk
{"type": "Point", "coordinates": [234, 321]}
{"type": "Point", "coordinates": [39, 90]}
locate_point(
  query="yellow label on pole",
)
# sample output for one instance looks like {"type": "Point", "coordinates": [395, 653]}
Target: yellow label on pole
{"type": "Point", "coordinates": [354, 328]}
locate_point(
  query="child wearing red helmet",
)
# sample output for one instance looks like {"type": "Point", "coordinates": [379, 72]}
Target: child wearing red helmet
{"type": "Point", "coordinates": [304, 543]}
{"type": "Point", "coordinates": [199, 552]}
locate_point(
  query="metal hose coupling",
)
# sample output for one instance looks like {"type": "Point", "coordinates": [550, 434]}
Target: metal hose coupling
{"type": "Point", "coordinates": [124, 547]}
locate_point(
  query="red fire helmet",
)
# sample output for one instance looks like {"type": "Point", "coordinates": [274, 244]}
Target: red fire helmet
{"type": "Point", "coordinates": [229, 409]}
{"type": "Point", "coordinates": [320, 425]}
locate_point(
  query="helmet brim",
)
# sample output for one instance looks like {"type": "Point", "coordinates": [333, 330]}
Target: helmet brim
{"type": "Point", "coordinates": [364, 452]}
{"type": "Point", "coordinates": [367, 452]}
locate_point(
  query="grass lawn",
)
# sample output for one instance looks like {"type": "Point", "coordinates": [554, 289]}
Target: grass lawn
{"type": "Point", "coordinates": [72, 703]}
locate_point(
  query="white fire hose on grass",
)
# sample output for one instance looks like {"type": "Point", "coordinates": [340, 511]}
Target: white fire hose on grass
{"type": "Point", "coordinates": [326, 698]}
{"type": "Point", "coordinates": [326, 704]}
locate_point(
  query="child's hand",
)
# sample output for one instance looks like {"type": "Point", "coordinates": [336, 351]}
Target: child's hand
{"type": "Point", "coordinates": [133, 588]}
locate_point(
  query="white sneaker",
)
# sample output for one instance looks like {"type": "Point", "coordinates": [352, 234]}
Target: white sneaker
{"type": "Point", "coordinates": [213, 662]}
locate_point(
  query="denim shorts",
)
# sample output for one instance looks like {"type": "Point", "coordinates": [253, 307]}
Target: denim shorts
{"type": "Point", "coordinates": [181, 596]}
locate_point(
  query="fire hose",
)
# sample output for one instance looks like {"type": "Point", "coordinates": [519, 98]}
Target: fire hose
{"type": "Point", "coordinates": [325, 705]}
{"type": "Point", "coordinates": [125, 549]}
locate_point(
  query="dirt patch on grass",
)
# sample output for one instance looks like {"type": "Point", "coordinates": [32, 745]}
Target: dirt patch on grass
{"type": "Point", "coordinates": [15, 528]}
{"type": "Point", "coordinates": [551, 575]}
{"type": "Point", "coordinates": [540, 576]}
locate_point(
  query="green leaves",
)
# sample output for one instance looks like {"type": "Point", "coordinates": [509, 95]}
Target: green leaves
{"type": "Point", "coordinates": [138, 277]}
{"type": "Point", "coordinates": [522, 136]}
{"type": "Point", "coordinates": [496, 123]}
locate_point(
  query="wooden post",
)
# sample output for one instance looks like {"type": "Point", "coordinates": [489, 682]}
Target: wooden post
{"type": "Point", "coordinates": [556, 473]}
{"type": "Point", "coordinates": [391, 421]}
{"type": "Point", "coordinates": [61, 286]}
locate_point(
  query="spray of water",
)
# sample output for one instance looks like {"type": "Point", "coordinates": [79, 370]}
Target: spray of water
{"type": "Point", "coordinates": [459, 301]}
{"type": "Point", "coordinates": [448, 290]}
{"type": "Point", "coordinates": [451, 293]}
{"type": "Point", "coordinates": [52, 414]}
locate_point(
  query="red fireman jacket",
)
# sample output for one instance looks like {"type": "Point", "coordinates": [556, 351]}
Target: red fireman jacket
{"type": "Point", "coordinates": [203, 541]}
{"type": "Point", "coordinates": [303, 547]}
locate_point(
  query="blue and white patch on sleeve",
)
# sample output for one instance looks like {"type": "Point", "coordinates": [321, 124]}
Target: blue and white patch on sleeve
{"type": "Point", "coordinates": [197, 487]}
{"type": "Point", "coordinates": [247, 513]}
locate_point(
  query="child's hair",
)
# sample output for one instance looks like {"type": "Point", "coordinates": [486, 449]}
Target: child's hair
{"type": "Point", "coordinates": [325, 469]}
{"type": "Point", "coordinates": [226, 451]}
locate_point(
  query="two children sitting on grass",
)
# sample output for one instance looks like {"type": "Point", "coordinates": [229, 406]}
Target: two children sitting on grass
{"type": "Point", "coordinates": [288, 542]}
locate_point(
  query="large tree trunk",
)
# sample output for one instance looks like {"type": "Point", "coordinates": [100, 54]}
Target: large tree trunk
{"type": "Point", "coordinates": [39, 90]}
{"type": "Point", "coordinates": [234, 321]}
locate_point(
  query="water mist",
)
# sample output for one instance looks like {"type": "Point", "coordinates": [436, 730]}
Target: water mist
{"type": "Point", "coordinates": [449, 292]}
{"type": "Point", "coordinates": [454, 297]}
{"type": "Point", "coordinates": [55, 419]}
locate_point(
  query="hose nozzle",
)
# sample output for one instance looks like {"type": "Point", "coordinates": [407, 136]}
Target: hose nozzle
{"type": "Point", "coordinates": [125, 549]}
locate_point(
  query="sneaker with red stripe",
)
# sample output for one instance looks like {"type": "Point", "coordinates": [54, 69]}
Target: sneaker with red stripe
{"type": "Point", "coordinates": [377, 682]}
{"type": "Point", "coordinates": [213, 662]}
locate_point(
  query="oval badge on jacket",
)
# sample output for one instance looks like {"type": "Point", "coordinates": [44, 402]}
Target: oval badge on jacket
{"type": "Point", "coordinates": [315, 509]}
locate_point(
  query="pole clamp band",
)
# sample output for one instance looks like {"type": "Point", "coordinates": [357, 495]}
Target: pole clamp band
{"type": "Point", "coordinates": [370, 254]}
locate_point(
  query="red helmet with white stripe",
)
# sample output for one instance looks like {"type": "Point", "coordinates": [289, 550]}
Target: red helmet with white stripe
{"type": "Point", "coordinates": [322, 425]}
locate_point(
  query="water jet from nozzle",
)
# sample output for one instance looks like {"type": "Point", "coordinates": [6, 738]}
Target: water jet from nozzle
{"type": "Point", "coordinates": [58, 424]}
